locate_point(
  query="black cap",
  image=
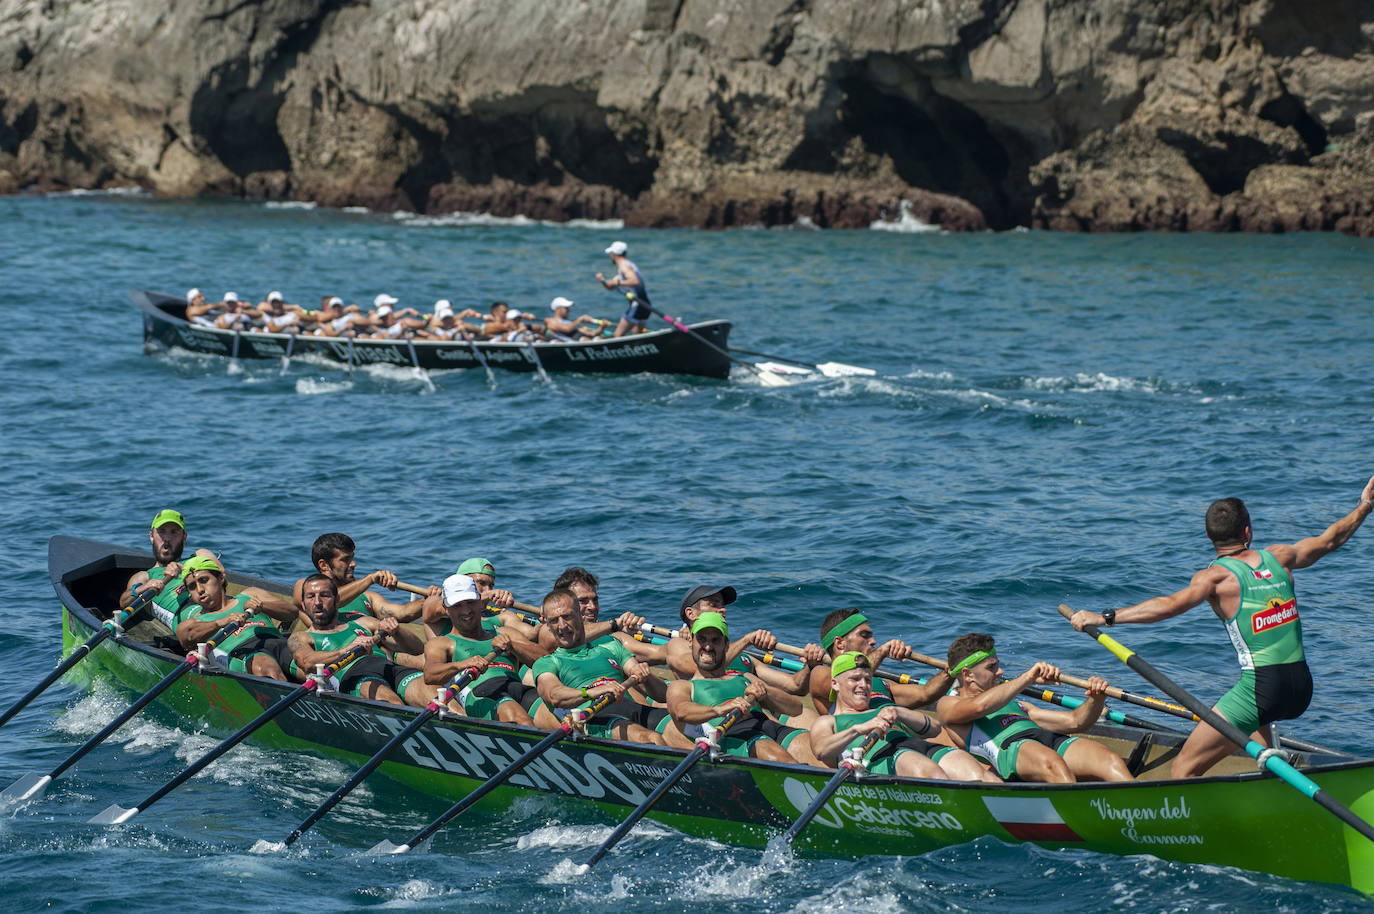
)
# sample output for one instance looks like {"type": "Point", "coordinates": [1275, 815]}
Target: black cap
{"type": "Point", "coordinates": [697, 594]}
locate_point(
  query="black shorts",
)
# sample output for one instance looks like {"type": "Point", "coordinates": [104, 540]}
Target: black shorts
{"type": "Point", "coordinates": [273, 646]}
{"type": "Point", "coordinates": [1282, 691]}
{"type": "Point", "coordinates": [371, 667]}
{"type": "Point", "coordinates": [632, 711]}
{"type": "Point", "coordinates": [498, 690]}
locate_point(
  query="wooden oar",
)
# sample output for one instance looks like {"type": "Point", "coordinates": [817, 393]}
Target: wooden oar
{"type": "Point", "coordinates": [766, 378]}
{"type": "Point", "coordinates": [435, 707]}
{"type": "Point", "coordinates": [419, 372]}
{"type": "Point", "coordinates": [496, 780]}
{"type": "Point", "coordinates": [852, 760]}
{"type": "Point", "coordinates": [33, 783]}
{"type": "Point", "coordinates": [703, 747]}
{"type": "Point", "coordinates": [115, 814]}
{"type": "Point", "coordinates": [109, 628]}
{"type": "Point", "coordinates": [829, 369]}
{"type": "Point", "coordinates": [424, 591]}
{"type": "Point", "coordinates": [1266, 757]}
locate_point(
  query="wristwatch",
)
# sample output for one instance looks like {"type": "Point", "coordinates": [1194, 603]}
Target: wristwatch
{"type": "Point", "coordinates": [1109, 617]}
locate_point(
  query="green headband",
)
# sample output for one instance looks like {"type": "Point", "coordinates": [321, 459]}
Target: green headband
{"type": "Point", "coordinates": [970, 660]}
{"type": "Point", "coordinates": [844, 627]}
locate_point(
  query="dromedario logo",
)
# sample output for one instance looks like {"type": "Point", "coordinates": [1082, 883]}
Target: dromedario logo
{"type": "Point", "coordinates": [1275, 613]}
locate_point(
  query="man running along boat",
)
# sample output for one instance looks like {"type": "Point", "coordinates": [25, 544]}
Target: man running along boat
{"type": "Point", "coordinates": [1021, 741]}
{"type": "Point", "coordinates": [1251, 591]}
{"type": "Point", "coordinates": [258, 647]}
{"type": "Point", "coordinates": [578, 673]}
{"type": "Point", "coordinates": [331, 636]}
{"type": "Point", "coordinates": [627, 279]}
{"type": "Point", "coordinates": [849, 630]}
{"type": "Point", "coordinates": [497, 693]}
{"type": "Point", "coordinates": [715, 691]}
{"type": "Point", "coordinates": [905, 747]}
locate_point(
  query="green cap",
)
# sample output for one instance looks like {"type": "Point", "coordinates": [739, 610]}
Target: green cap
{"type": "Point", "coordinates": [711, 620]}
{"type": "Point", "coordinates": [201, 563]}
{"type": "Point", "coordinates": [168, 516]}
{"type": "Point", "coordinates": [478, 566]}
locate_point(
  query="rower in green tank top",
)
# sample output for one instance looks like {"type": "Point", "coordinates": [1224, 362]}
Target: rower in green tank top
{"type": "Point", "coordinates": [168, 537]}
{"type": "Point", "coordinates": [847, 630]}
{"type": "Point", "coordinates": [332, 554]}
{"type": "Point", "coordinates": [258, 647]}
{"type": "Point", "coordinates": [1251, 591]}
{"type": "Point", "coordinates": [699, 704]}
{"type": "Point", "coordinates": [1022, 741]}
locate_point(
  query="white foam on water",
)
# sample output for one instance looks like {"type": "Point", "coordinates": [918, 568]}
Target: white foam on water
{"type": "Point", "coordinates": [600, 225]}
{"type": "Point", "coordinates": [1092, 383]}
{"type": "Point", "coordinates": [290, 204]}
{"type": "Point", "coordinates": [805, 222]}
{"type": "Point", "coordinates": [267, 847]}
{"type": "Point", "coordinates": [572, 836]}
{"type": "Point", "coordinates": [906, 222]}
{"type": "Point", "coordinates": [724, 878]}
{"type": "Point", "coordinates": [471, 220]}
{"type": "Point", "coordinates": [234, 367]}
{"type": "Point", "coordinates": [102, 192]}
{"type": "Point", "coordinates": [314, 386]}
{"type": "Point", "coordinates": [563, 872]}
{"type": "Point", "coordinates": [413, 891]}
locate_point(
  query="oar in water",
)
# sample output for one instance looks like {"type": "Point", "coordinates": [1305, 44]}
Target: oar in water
{"type": "Point", "coordinates": [34, 783]}
{"type": "Point", "coordinates": [481, 359]}
{"type": "Point", "coordinates": [829, 369]}
{"type": "Point", "coordinates": [350, 355]}
{"type": "Point", "coordinates": [234, 366]}
{"type": "Point", "coordinates": [435, 707]}
{"type": "Point", "coordinates": [704, 746]}
{"type": "Point", "coordinates": [415, 361]}
{"type": "Point", "coordinates": [766, 378]}
{"type": "Point", "coordinates": [496, 780]}
{"type": "Point", "coordinates": [853, 758]}
{"type": "Point", "coordinates": [1266, 757]}
{"type": "Point", "coordinates": [538, 365]}
{"type": "Point", "coordinates": [109, 628]}
{"type": "Point", "coordinates": [115, 814]}
{"type": "Point", "coordinates": [286, 359]}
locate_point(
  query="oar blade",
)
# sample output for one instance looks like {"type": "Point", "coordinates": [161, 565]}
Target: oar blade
{"type": "Point", "coordinates": [113, 814]}
{"type": "Point", "coordinates": [26, 788]}
{"type": "Point", "coordinates": [770, 379]}
{"type": "Point", "coordinates": [841, 370]}
{"type": "Point", "coordinates": [779, 368]}
{"type": "Point", "coordinates": [387, 847]}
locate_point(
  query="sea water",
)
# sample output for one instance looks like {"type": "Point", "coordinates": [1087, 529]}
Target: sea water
{"type": "Point", "coordinates": [1050, 416]}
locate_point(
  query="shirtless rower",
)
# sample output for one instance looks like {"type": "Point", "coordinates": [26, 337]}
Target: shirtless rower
{"type": "Point", "coordinates": [578, 673]}
{"type": "Point", "coordinates": [497, 693]}
{"type": "Point", "coordinates": [562, 326]}
{"type": "Point", "coordinates": [258, 647]}
{"type": "Point", "coordinates": [849, 630]}
{"type": "Point", "coordinates": [496, 323]}
{"type": "Point", "coordinates": [627, 279]}
{"type": "Point", "coordinates": [907, 747]}
{"type": "Point", "coordinates": [1023, 742]}
{"type": "Point", "coordinates": [333, 554]}
{"type": "Point", "coordinates": [1251, 591]}
{"type": "Point", "coordinates": [715, 691]}
{"type": "Point", "coordinates": [330, 637]}
{"type": "Point", "coordinates": [708, 598]}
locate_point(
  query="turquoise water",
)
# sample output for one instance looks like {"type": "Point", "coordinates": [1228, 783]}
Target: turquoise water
{"type": "Point", "coordinates": [1050, 418]}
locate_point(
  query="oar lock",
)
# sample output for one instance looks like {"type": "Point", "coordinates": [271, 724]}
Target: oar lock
{"type": "Point", "coordinates": [853, 759]}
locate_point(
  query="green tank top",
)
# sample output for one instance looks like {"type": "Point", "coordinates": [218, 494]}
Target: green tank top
{"type": "Point", "coordinates": [337, 641]}
{"type": "Point", "coordinates": [358, 606]}
{"type": "Point", "coordinates": [464, 648]}
{"type": "Point", "coordinates": [895, 734]}
{"type": "Point", "coordinates": [586, 666]}
{"type": "Point", "coordinates": [257, 624]}
{"type": "Point", "coordinates": [444, 626]}
{"type": "Point", "coordinates": [715, 691]}
{"type": "Point", "coordinates": [1265, 630]}
{"type": "Point", "coordinates": [991, 733]}
{"type": "Point", "coordinates": [169, 606]}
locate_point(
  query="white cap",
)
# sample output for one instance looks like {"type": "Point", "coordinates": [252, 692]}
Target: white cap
{"type": "Point", "coordinates": [335, 300]}
{"type": "Point", "coordinates": [191, 294]}
{"type": "Point", "coordinates": [443, 308]}
{"type": "Point", "coordinates": [617, 247]}
{"type": "Point", "coordinates": [560, 302]}
{"type": "Point", "coordinates": [514, 315]}
{"type": "Point", "coordinates": [384, 310]}
{"type": "Point", "coordinates": [274, 295]}
{"type": "Point", "coordinates": [383, 299]}
{"type": "Point", "coordinates": [459, 587]}
{"type": "Point", "coordinates": [231, 296]}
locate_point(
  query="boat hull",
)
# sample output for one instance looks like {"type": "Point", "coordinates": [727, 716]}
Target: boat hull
{"type": "Point", "coordinates": [666, 351]}
{"type": "Point", "coordinates": [1251, 820]}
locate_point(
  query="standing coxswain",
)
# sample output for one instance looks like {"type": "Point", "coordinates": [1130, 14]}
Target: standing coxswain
{"type": "Point", "coordinates": [1251, 591]}
{"type": "Point", "coordinates": [630, 281]}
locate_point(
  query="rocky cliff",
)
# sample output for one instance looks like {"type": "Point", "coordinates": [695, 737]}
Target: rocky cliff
{"type": "Point", "coordinates": [1065, 114]}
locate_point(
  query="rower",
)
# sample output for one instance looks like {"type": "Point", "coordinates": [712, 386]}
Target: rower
{"type": "Point", "coordinates": [198, 310]}
{"type": "Point", "coordinates": [1023, 742]}
{"type": "Point", "coordinates": [584, 587]}
{"type": "Point", "coordinates": [483, 575]}
{"type": "Point", "coordinates": [629, 281]}
{"type": "Point", "coordinates": [714, 691]}
{"type": "Point", "coordinates": [234, 313]}
{"type": "Point", "coordinates": [444, 324]}
{"type": "Point", "coordinates": [497, 693]}
{"type": "Point", "coordinates": [277, 316]}
{"type": "Point", "coordinates": [330, 637]}
{"type": "Point", "coordinates": [1251, 591]}
{"type": "Point", "coordinates": [849, 630]}
{"type": "Point", "coordinates": [907, 747]}
{"type": "Point", "coordinates": [258, 647]}
{"type": "Point", "coordinates": [516, 331]}
{"type": "Point", "coordinates": [562, 326]}
{"type": "Point", "coordinates": [333, 554]}
{"type": "Point", "coordinates": [168, 536]}
{"type": "Point", "coordinates": [578, 673]}
{"type": "Point", "coordinates": [390, 324]}
{"type": "Point", "coordinates": [496, 323]}
{"type": "Point", "coordinates": [709, 598]}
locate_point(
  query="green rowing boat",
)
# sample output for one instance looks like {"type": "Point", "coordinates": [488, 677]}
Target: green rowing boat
{"type": "Point", "coordinates": [1236, 817]}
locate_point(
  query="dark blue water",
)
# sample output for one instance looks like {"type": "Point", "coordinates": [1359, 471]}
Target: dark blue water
{"type": "Point", "coordinates": [1050, 418]}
